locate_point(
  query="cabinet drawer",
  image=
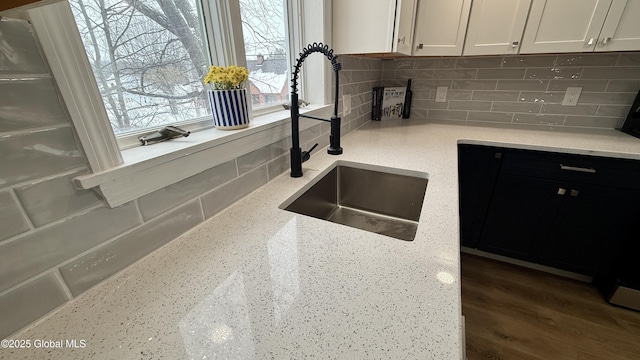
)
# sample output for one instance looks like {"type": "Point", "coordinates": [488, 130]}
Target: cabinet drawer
{"type": "Point", "coordinates": [595, 170]}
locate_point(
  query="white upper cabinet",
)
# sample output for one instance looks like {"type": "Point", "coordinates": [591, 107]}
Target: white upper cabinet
{"type": "Point", "coordinates": [373, 26]}
{"type": "Point", "coordinates": [564, 25]}
{"type": "Point", "coordinates": [621, 30]}
{"type": "Point", "coordinates": [440, 27]}
{"type": "Point", "coordinates": [496, 26]}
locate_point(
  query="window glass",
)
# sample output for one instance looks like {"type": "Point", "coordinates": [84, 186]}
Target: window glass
{"type": "Point", "coordinates": [148, 58]}
{"type": "Point", "coordinates": [264, 27]}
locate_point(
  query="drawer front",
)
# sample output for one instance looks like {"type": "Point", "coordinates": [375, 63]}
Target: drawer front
{"type": "Point", "coordinates": [595, 170]}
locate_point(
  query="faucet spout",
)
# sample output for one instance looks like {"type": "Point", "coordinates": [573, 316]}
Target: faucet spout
{"type": "Point", "coordinates": [297, 157]}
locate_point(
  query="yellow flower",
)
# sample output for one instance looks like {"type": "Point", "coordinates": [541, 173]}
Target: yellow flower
{"type": "Point", "coordinates": [226, 78]}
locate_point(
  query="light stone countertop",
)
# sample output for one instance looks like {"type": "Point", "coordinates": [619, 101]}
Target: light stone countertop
{"type": "Point", "coordinates": [257, 282]}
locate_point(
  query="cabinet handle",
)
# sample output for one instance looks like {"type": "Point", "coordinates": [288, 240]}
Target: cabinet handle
{"type": "Point", "coordinates": [605, 41]}
{"type": "Point", "coordinates": [578, 169]}
{"type": "Point", "coordinates": [562, 191]}
{"type": "Point", "coordinates": [515, 44]}
{"type": "Point", "coordinates": [591, 41]}
{"type": "Point", "coordinates": [401, 40]}
{"type": "Point", "coordinates": [574, 193]}
{"type": "Point", "coordinates": [420, 46]}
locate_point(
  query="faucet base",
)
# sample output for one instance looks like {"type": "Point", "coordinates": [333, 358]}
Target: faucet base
{"type": "Point", "coordinates": [296, 162]}
{"type": "Point", "coordinates": [332, 151]}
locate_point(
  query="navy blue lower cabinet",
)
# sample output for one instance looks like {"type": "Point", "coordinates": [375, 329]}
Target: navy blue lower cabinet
{"type": "Point", "coordinates": [570, 212]}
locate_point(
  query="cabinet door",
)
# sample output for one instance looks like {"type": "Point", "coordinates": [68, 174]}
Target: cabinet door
{"type": "Point", "coordinates": [621, 30]}
{"type": "Point", "coordinates": [403, 32]}
{"type": "Point", "coordinates": [496, 26]}
{"type": "Point", "coordinates": [478, 168]}
{"type": "Point", "coordinates": [564, 26]}
{"type": "Point", "coordinates": [520, 216]}
{"type": "Point", "coordinates": [363, 26]}
{"type": "Point", "coordinates": [591, 224]}
{"type": "Point", "coordinates": [440, 27]}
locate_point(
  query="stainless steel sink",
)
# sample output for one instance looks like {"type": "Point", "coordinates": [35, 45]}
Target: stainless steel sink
{"type": "Point", "coordinates": [381, 200]}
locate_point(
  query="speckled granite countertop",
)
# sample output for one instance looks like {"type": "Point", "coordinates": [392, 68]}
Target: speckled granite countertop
{"type": "Point", "coordinates": [260, 282]}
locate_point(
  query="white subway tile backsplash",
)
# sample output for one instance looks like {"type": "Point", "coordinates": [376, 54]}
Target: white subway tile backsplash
{"type": "Point", "coordinates": [455, 74]}
{"type": "Point", "coordinates": [538, 119]}
{"type": "Point", "coordinates": [594, 121]}
{"type": "Point", "coordinates": [586, 85]}
{"type": "Point", "coordinates": [613, 110]}
{"type": "Point", "coordinates": [529, 61]}
{"type": "Point", "coordinates": [258, 157]}
{"type": "Point", "coordinates": [222, 197]}
{"type": "Point", "coordinates": [495, 95]}
{"type": "Point", "coordinates": [159, 201]}
{"type": "Point", "coordinates": [607, 98]}
{"type": "Point", "coordinates": [489, 116]}
{"type": "Point", "coordinates": [20, 52]}
{"type": "Point", "coordinates": [541, 97]}
{"type": "Point", "coordinates": [19, 111]}
{"type": "Point", "coordinates": [37, 154]}
{"type": "Point", "coordinates": [522, 85]}
{"type": "Point", "coordinates": [629, 59]}
{"type": "Point", "coordinates": [520, 107]}
{"type": "Point", "coordinates": [107, 260]}
{"type": "Point", "coordinates": [603, 59]}
{"type": "Point", "coordinates": [501, 73]}
{"type": "Point", "coordinates": [12, 222]}
{"type": "Point", "coordinates": [54, 199]}
{"type": "Point", "coordinates": [479, 62]}
{"type": "Point", "coordinates": [470, 105]}
{"type": "Point", "coordinates": [447, 115]}
{"type": "Point", "coordinates": [554, 73]}
{"type": "Point", "coordinates": [474, 84]}
{"type": "Point", "coordinates": [29, 302]}
{"type": "Point", "coordinates": [42, 249]}
{"type": "Point", "coordinates": [622, 86]}
{"type": "Point", "coordinates": [611, 73]}
{"type": "Point", "coordinates": [569, 110]}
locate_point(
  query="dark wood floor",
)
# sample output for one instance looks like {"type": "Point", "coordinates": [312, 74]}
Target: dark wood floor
{"type": "Point", "coordinates": [517, 313]}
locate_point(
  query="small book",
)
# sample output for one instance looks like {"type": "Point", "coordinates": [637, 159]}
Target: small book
{"type": "Point", "coordinates": [387, 103]}
{"type": "Point", "coordinates": [393, 102]}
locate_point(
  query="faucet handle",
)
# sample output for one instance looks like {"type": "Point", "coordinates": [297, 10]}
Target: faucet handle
{"type": "Point", "coordinates": [306, 155]}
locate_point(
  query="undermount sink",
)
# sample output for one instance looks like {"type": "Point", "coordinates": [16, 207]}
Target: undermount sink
{"type": "Point", "coordinates": [378, 199]}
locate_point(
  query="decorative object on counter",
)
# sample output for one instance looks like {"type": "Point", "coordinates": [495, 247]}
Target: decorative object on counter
{"type": "Point", "coordinates": [297, 155]}
{"type": "Point", "coordinates": [406, 109]}
{"type": "Point", "coordinates": [632, 123]}
{"type": "Point", "coordinates": [376, 103]}
{"type": "Point", "coordinates": [301, 103]}
{"type": "Point", "coordinates": [227, 96]}
{"type": "Point", "coordinates": [391, 102]}
{"type": "Point", "coordinates": [164, 134]}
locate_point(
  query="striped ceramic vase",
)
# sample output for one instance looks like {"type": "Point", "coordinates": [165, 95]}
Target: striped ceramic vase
{"type": "Point", "coordinates": [229, 108]}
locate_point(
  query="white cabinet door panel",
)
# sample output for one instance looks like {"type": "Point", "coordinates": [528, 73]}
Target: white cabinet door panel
{"type": "Point", "coordinates": [621, 30]}
{"type": "Point", "coordinates": [564, 25]}
{"type": "Point", "coordinates": [440, 27]}
{"type": "Point", "coordinates": [496, 26]}
{"type": "Point", "coordinates": [403, 32]}
{"type": "Point", "coordinates": [363, 26]}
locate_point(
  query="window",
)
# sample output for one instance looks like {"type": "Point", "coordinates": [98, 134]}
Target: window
{"type": "Point", "coordinates": [149, 58]}
{"type": "Point", "coordinates": [122, 176]}
{"type": "Point", "coordinates": [266, 46]}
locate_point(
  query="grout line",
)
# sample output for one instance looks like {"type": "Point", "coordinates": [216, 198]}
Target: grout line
{"type": "Point", "coordinates": [204, 217]}
{"type": "Point", "coordinates": [58, 275]}
{"type": "Point", "coordinates": [52, 224]}
{"type": "Point", "coordinates": [138, 211]}
{"type": "Point", "coordinates": [22, 210]}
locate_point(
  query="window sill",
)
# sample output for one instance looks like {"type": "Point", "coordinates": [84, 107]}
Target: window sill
{"type": "Point", "coordinates": [148, 168]}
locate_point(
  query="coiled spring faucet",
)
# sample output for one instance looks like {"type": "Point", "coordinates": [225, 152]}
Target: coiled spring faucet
{"type": "Point", "coordinates": [297, 155]}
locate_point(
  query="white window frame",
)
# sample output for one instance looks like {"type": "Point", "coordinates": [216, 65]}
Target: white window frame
{"type": "Point", "coordinates": [124, 175]}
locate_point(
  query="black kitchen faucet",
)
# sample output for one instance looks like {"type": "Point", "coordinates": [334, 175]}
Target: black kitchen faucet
{"type": "Point", "coordinates": [297, 155]}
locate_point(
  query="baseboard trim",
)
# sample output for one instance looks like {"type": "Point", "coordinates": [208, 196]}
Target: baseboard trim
{"type": "Point", "coordinates": [547, 269]}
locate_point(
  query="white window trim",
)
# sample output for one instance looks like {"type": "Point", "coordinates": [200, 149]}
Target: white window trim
{"type": "Point", "coordinates": [123, 176]}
